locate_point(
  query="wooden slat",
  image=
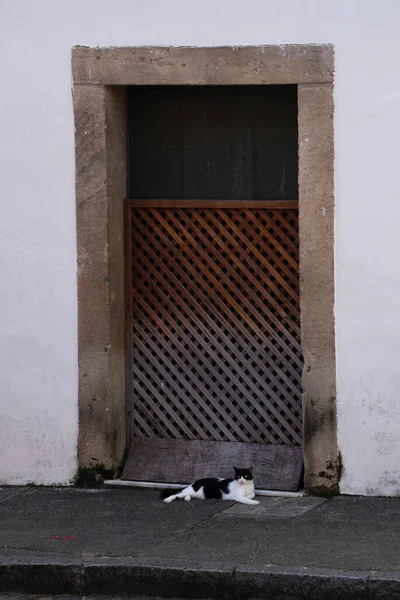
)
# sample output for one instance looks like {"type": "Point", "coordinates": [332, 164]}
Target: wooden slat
{"type": "Point", "coordinates": [227, 343]}
{"type": "Point", "coordinates": [276, 143]}
{"type": "Point", "coordinates": [243, 164]}
{"type": "Point", "coordinates": [276, 375]}
{"type": "Point", "coordinates": [128, 319]}
{"type": "Point", "coordinates": [154, 142]}
{"type": "Point", "coordinates": [220, 312]}
{"type": "Point", "coordinates": [154, 399]}
{"type": "Point", "coordinates": [194, 149]}
{"type": "Point", "coordinates": [239, 230]}
{"type": "Point", "coordinates": [181, 234]}
{"type": "Point", "coordinates": [275, 278]}
{"type": "Point", "coordinates": [285, 253]}
{"type": "Point", "coordinates": [232, 377]}
{"type": "Point", "coordinates": [182, 461]}
{"type": "Point", "coordinates": [225, 383]}
{"type": "Point", "coordinates": [199, 326]}
{"type": "Point", "coordinates": [197, 375]}
{"type": "Point", "coordinates": [215, 119]}
{"type": "Point", "coordinates": [168, 395]}
{"type": "Point", "coordinates": [218, 305]}
{"type": "Point", "coordinates": [231, 204]}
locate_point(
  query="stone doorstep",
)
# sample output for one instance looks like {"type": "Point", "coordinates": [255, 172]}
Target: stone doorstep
{"type": "Point", "coordinates": [183, 579]}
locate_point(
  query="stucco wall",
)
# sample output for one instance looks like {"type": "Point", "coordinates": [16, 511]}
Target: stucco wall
{"type": "Point", "coordinates": [38, 332]}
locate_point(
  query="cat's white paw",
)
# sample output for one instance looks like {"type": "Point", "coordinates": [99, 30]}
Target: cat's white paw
{"type": "Point", "coordinates": [187, 498]}
{"type": "Point", "coordinates": [256, 502]}
{"type": "Point", "coordinates": [169, 499]}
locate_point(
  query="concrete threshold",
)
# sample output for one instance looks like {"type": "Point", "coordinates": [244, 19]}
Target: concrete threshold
{"type": "Point", "coordinates": [154, 485]}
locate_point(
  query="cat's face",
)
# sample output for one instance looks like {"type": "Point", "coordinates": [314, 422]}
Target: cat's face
{"type": "Point", "coordinates": [243, 475]}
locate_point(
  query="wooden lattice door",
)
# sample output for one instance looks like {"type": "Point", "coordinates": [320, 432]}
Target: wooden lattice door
{"type": "Point", "coordinates": [213, 327]}
{"type": "Point", "coordinates": [216, 353]}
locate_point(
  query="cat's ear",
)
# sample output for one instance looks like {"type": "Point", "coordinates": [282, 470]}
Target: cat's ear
{"type": "Point", "coordinates": [251, 469]}
{"type": "Point", "coordinates": [235, 469]}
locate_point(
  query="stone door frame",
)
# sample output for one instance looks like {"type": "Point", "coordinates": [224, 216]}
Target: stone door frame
{"type": "Point", "coordinates": [100, 76]}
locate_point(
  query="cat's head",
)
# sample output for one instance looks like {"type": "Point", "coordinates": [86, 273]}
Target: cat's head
{"type": "Point", "coordinates": [243, 475]}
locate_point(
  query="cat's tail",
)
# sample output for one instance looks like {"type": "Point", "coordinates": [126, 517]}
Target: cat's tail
{"type": "Point", "coordinates": [166, 493]}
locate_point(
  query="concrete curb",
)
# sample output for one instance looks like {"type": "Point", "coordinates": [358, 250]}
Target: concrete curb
{"type": "Point", "coordinates": [186, 579]}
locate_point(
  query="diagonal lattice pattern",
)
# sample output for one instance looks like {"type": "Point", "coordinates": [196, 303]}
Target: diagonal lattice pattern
{"type": "Point", "coordinates": [216, 324]}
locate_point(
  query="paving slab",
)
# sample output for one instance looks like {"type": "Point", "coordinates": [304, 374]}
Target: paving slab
{"type": "Point", "coordinates": [274, 508]}
{"type": "Point", "coordinates": [342, 533]}
{"type": "Point", "coordinates": [101, 522]}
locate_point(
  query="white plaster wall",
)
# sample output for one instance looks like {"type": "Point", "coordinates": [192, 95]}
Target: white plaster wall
{"type": "Point", "coordinates": [38, 336]}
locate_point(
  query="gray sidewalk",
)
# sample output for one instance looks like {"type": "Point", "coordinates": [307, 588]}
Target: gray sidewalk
{"type": "Point", "coordinates": [128, 542]}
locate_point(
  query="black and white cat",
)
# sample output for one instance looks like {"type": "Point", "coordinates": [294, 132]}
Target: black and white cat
{"type": "Point", "coordinates": [240, 489]}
